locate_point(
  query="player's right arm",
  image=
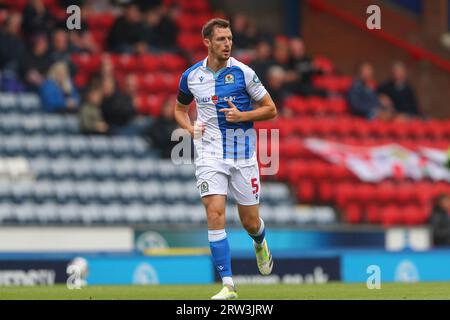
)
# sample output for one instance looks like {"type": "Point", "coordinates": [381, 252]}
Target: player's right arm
{"type": "Point", "coordinates": [182, 117]}
{"type": "Point", "coordinates": [184, 99]}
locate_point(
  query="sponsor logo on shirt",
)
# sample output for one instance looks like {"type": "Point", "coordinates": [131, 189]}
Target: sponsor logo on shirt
{"type": "Point", "coordinates": [214, 99]}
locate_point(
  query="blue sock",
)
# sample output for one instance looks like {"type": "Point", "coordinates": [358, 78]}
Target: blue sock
{"type": "Point", "coordinates": [220, 251]}
{"type": "Point", "coordinates": [260, 235]}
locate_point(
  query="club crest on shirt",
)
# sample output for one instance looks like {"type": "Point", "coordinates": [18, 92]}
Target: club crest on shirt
{"type": "Point", "coordinates": [214, 99]}
{"type": "Point", "coordinates": [229, 78]}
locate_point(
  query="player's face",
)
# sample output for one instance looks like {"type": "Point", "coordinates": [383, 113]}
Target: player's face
{"type": "Point", "coordinates": [220, 43]}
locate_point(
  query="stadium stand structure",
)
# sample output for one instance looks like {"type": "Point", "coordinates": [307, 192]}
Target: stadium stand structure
{"type": "Point", "coordinates": [100, 179]}
{"type": "Point", "coordinates": [74, 178]}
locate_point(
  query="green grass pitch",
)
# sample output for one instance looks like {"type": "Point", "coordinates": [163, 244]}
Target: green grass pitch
{"type": "Point", "coordinates": [432, 290]}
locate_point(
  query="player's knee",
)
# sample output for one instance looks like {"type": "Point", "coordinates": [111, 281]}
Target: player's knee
{"type": "Point", "coordinates": [251, 225]}
{"type": "Point", "coordinates": [215, 215]}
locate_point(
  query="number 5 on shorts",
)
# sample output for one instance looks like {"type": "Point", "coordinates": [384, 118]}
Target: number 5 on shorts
{"type": "Point", "coordinates": [255, 185]}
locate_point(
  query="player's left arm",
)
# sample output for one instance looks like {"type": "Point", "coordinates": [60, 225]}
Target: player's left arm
{"type": "Point", "coordinates": [264, 110]}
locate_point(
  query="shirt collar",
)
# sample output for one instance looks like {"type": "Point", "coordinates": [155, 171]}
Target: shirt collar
{"type": "Point", "coordinates": [206, 60]}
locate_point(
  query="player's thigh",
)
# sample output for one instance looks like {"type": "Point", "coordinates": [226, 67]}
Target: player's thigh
{"type": "Point", "coordinates": [214, 204]}
{"type": "Point", "coordinates": [212, 179]}
{"type": "Point", "coordinates": [215, 211]}
{"type": "Point", "coordinates": [244, 185]}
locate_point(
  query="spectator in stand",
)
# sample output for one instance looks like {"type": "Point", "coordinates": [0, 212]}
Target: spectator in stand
{"type": "Point", "coordinates": [61, 49]}
{"type": "Point", "coordinates": [106, 71]}
{"type": "Point", "coordinates": [281, 54]}
{"type": "Point", "coordinates": [161, 131]}
{"type": "Point", "coordinates": [245, 34]}
{"type": "Point", "coordinates": [131, 87]}
{"type": "Point", "coordinates": [37, 61]}
{"type": "Point", "coordinates": [145, 5]}
{"type": "Point", "coordinates": [363, 99]}
{"type": "Point", "coordinates": [127, 35]}
{"type": "Point", "coordinates": [301, 70]}
{"type": "Point", "coordinates": [161, 31]}
{"type": "Point", "coordinates": [91, 119]}
{"type": "Point", "coordinates": [12, 52]}
{"type": "Point", "coordinates": [440, 221]}
{"type": "Point", "coordinates": [81, 41]}
{"type": "Point", "coordinates": [117, 109]}
{"type": "Point", "coordinates": [276, 80]}
{"type": "Point", "coordinates": [399, 90]}
{"type": "Point", "coordinates": [263, 60]}
{"type": "Point", "coordinates": [37, 19]}
{"type": "Point", "coordinates": [57, 92]}
{"type": "Point", "coordinates": [300, 62]}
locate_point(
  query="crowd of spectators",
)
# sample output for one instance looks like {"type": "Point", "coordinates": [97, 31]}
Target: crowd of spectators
{"type": "Point", "coordinates": [393, 99]}
{"type": "Point", "coordinates": [36, 50]}
{"type": "Point", "coordinates": [144, 26]}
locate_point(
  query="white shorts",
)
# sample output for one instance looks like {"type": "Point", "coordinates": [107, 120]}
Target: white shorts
{"type": "Point", "coordinates": [219, 176]}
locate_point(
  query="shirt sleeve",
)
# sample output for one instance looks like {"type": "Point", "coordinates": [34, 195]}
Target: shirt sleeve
{"type": "Point", "coordinates": [254, 86]}
{"type": "Point", "coordinates": [184, 94]}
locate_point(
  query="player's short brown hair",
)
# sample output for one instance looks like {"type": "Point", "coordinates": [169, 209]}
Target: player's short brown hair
{"type": "Point", "coordinates": [208, 28]}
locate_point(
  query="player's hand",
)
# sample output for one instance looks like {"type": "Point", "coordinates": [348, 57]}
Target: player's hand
{"type": "Point", "coordinates": [198, 130]}
{"type": "Point", "coordinates": [232, 114]}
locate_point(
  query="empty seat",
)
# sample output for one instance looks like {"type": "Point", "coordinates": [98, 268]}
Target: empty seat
{"type": "Point", "coordinates": [25, 213]}
{"type": "Point", "coordinates": [47, 213]}
{"type": "Point", "coordinates": [22, 191]}
{"type": "Point", "coordinates": [61, 168]}
{"type": "Point", "coordinates": [35, 146]}
{"type": "Point", "coordinates": [87, 192]}
{"type": "Point", "coordinates": [128, 191]}
{"type": "Point", "coordinates": [124, 169]}
{"type": "Point", "coordinates": [65, 192]}
{"type": "Point", "coordinates": [43, 191]}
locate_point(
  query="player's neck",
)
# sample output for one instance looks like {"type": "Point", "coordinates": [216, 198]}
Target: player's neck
{"type": "Point", "coordinates": [215, 64]}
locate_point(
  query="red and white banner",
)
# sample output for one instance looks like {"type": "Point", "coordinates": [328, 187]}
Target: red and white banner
{"type": "Point", "coordinates": [374, 164]}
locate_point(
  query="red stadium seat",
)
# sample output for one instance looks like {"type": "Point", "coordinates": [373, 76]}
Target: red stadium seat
{"type": "Point", "coordinates": [306, 191]}
{"type": "Point", "coordinates": [148, 63]}
{"type": "Point", "coordinates": [338, 105]}
{"type": "Point", "coordinates": [323, 64]}
{"type": "Point", "coordinates": [344, 193]}
{"type": "Point", "coordinates": [125, 62]}
{"type": "Point", "coordinates": [326, 192]}
{"type": "Point", "coordinates": [423, 192]}
{"type": "Point", "coordinates": [391, 215]}
{"type": "Point", "coordinates": [297, 170]}
{"type": "Point", "coordinates": [316, 105]}
{"type": "Point", "coordinates": [384, 192]}
{"type": "Point", "coordinates": [297, 104]}
{"type": "Point", "coordinates": [373, 213]}
{"type": "Point", "coordinates": [405, 193]}
{"type": "Point", "coordinates": [190, 41]}
{"type": "Point", "coordinates": [86, 62]}
{"type": "Point", "coordinates": [173, 63]}
{"type": "Point", "coordinates": [413, 215]}
{"type": "Point", "coordinates": [364, 193]}
{"type": "Point", "coordinates": [291, 148]}
{"type": "Point", "coordinates": [353, 213]}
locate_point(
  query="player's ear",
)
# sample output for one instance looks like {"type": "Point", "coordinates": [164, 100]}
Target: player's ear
{"type": "Point", "coordinates": [206, 42]}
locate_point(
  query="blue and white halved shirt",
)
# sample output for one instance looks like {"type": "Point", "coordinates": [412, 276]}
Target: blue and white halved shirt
{"type": "Point", "coordinates": [211, 90]}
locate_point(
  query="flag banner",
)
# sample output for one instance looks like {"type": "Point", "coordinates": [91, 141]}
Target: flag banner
{"type": "Point", "coordinates": [373, 164]}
